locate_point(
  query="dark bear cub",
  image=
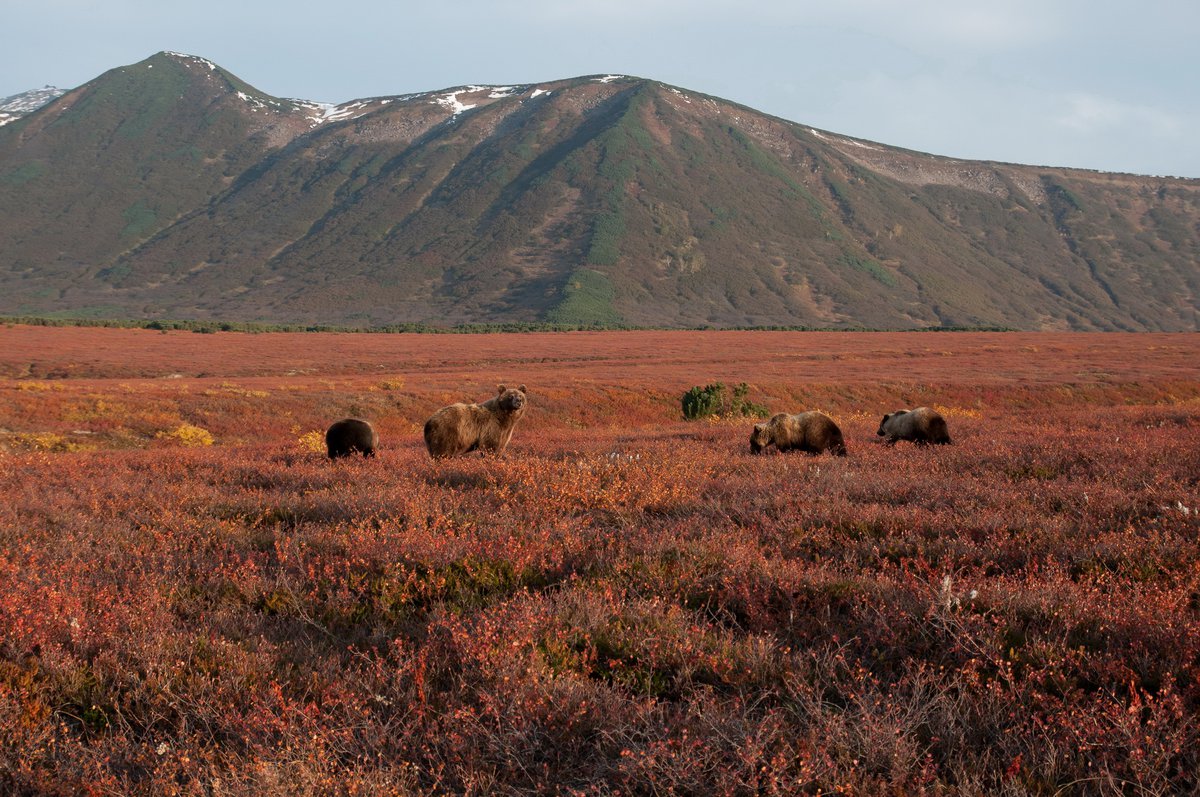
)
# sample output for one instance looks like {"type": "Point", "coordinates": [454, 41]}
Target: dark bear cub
{"type": "Point", "coordinates": [349, 436]}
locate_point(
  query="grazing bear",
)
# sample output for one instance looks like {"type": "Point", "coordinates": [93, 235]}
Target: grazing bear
{"type": "Point", "coordinates": [922, 426]}
{"type": "Point", "coordinates": [461, 428]}
{"type": "Point", "coordinates": [812, 432]}
{"type": "Point", "coordinates": [351, 435]}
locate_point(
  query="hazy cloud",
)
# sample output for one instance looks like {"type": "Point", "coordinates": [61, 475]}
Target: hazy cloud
{"type": "Point", "coordinates": [920, 23]}
{"type": "Point", "coordinates": [1088, 113]}
{"type": "Point", "coordinates": [937, 24]}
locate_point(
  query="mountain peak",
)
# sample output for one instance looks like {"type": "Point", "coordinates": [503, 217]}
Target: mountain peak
{"type": "Point", "coordinates": [186, 59]}
{"type": "Point", "coordinates": [172, 188]}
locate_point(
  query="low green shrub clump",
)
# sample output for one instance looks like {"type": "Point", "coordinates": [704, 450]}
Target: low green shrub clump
{"type": "Point", "coordinates": [714, 399]}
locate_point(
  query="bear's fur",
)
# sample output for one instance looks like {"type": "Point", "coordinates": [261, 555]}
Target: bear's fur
{"type": "Point", "coordinates": [349, 436]}
{"type": "Point", "coordinates": [811, 432]}
{"type": "Point", "coordinates": [462, 428]}
{"type": "Point", "coordinates": [922, 426]}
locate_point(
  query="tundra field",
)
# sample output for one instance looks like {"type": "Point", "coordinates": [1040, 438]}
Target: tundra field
{"type": "Point", "coordinates": [194, 600]}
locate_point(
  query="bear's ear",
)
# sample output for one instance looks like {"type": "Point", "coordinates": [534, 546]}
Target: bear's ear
{"type": "Point", "coordinates": [499, 389]}
{"type": "Point", "coordinates": [521, 388]}
{"type": "Point", "coordinates": [885, 417]}
{"type": "Point", "coordinates": [758, 427]}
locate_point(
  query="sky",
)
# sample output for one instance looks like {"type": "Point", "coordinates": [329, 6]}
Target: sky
{"type": "Point", "coordinates": [1095, 84]}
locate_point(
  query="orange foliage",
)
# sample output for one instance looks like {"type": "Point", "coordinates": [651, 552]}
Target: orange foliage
{"type": "Point", "coordinates": [625, 601]}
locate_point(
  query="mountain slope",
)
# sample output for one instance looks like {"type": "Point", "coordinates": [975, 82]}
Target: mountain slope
{"type": "Point", "coordinates": [173, 189]}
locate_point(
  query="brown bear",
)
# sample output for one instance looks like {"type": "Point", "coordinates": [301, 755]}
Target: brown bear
{"type": "Point", "coordinates": [349, 436]}
{"type": "Point", "coordinates": [922, 426]}
{"type": "Point", "coordinates": [811, 432]}
{"type": "Point", "coordinates": [462, 428]}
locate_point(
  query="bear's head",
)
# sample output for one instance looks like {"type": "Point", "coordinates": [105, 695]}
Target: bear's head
{"type": "Point", "coordinates": [510, 399]}
{"type": "Point", "coordinates": [883, 423]}
{"type": "Point", "coordinates": [760, 438]}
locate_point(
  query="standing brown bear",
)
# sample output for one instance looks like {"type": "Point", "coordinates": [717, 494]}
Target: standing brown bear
{"type": "Point", "coordinates": [349, 436]}
{"type": "Point", "coordinates": [811, 432]}
{"type": "Point", "coordinates": [462, 428]}
{"type": "Point", "coordinates": [922, 426]}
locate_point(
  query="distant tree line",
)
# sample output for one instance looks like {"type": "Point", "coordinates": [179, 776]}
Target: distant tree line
{"type": "Point", "coordinates": [432, 329]}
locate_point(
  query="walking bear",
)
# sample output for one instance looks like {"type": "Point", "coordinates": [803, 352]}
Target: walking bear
{"type": "Point", "coordinates": [922, 426]}
{"type": "Point", "coordinates": [462, 428]}
{"type": "Point", "coordinates": [349, 436]}
{"type": "Point", "coordinates": [811, 432]}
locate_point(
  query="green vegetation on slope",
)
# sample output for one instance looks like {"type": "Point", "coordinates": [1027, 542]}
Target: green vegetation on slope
{"type": "Point", "coordinates": [619, 145]}
{"type": "Point", "coordinates": [587, 299]}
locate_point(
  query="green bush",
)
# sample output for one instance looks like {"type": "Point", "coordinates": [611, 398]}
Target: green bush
{"type": "Point", "coordinates": [742, 406]}
{"type": "Point", "coordinates": [701, 402]}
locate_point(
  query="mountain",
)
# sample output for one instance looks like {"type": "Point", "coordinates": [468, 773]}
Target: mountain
{"type": "Point", "coordinates": [173, 189]}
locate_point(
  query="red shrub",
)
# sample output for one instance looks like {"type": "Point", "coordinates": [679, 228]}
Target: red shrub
{"type": "Point", "coordinates": [624, 601]}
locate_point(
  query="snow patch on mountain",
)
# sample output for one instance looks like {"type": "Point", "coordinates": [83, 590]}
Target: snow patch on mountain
{"type": "Point", "coordinates": [336, 113]}
{"type": "Point", "coordinates": [259, 103]}
{"type": "Point", "coordinates": [450, 100]}
{"type": "Point", "coordinates": [847, 141]}
{"type": "Point", "coordinates": [18, 105]}
{"type": "Point", "coordinates": [864, 145]}
{"type": "Point", "coordinates": [193, 59]}
{"type": "Point", "coordinates": [319, 113]}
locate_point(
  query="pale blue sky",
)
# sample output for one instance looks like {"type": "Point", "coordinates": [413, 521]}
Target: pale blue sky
{"type": "Point", "coordinates": [1096, 84]}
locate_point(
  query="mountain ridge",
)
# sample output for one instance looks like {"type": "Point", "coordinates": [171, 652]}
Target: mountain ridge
{"type": "Point", "coordinates": [600, 199]}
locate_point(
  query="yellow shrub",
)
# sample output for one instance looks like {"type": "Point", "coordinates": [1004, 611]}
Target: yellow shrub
{"type": "Point", "coordinates": [188, 435]}
{"type": "Point", "coordinates": [230, 389]}
{"type": "Point", "coordinates": [93, 409]}
{"type": "Point", "coordinates": [43, 441]}
{"type": "Point", "coordinates": [957, 412]}
{"type": "Point", "coordinates": [312, 441]}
